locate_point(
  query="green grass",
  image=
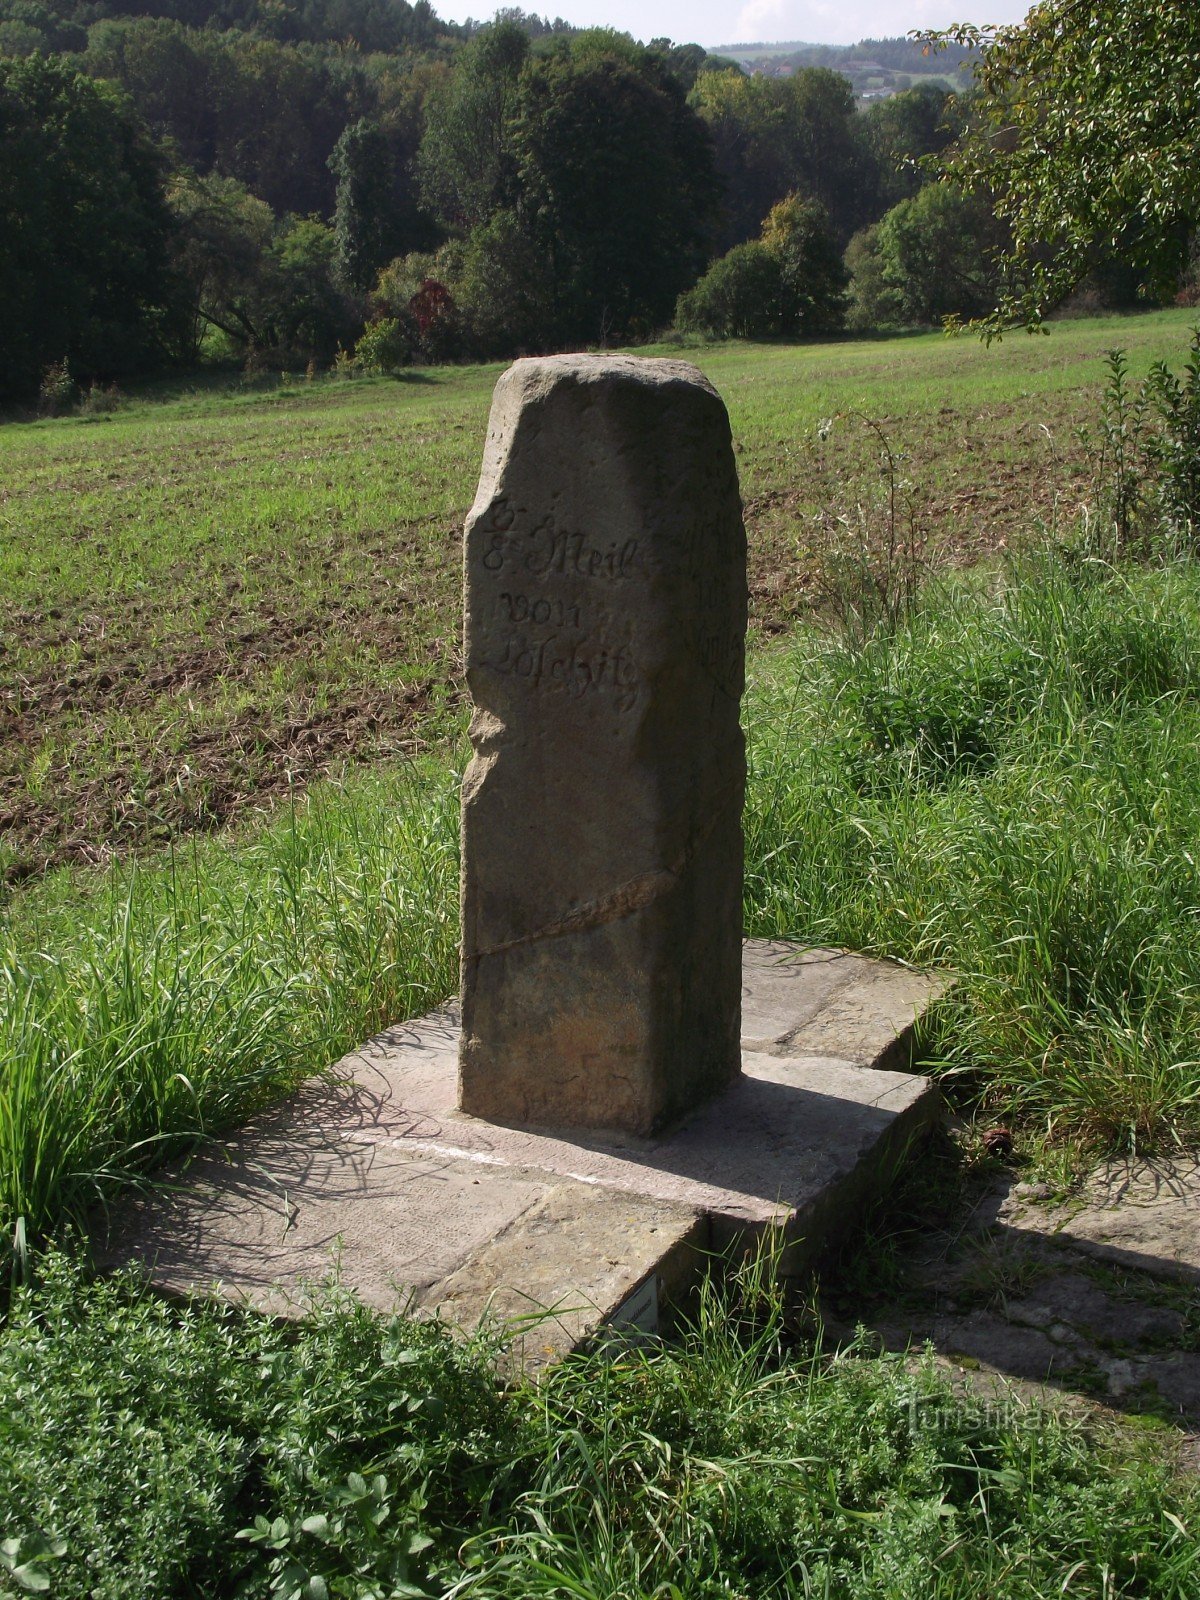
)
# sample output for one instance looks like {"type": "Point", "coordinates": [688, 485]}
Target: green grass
{"type": "Point", "coordinates": [1005, 784]}
{"type": "Point", "coordinates": [151, 1450]}
{"type": "Point", "coordinates": [209, 594]}
{"type": "Point", "coordinates": [1009, 787]}
{"type": "Point", "coordinates": [177, 999]}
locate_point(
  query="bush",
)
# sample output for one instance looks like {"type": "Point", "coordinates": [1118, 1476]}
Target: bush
{"type": "Point", "coordinates": [790, 281]}
{"type": "Point", "coordinates": [140, 1439]}
{"type": "Point", "coordinates": [1146, 460]}
{"type": "Point", "coordinates": [157, 1450]}
{"type": "Point", "coordinates": [101, 400]}
{"type": "Point", "coordinates": [56, 390]}
{"type": "Point", "coordinates": [798, 235]}
{"type": "Point", "coordinates": [739, 297]}
{"type": "Point", "coordinates": [385, 345]}
{"type": "Point", "coordinates": [930, 258]}
{"type": "Point", "coordinates": [424, 293]}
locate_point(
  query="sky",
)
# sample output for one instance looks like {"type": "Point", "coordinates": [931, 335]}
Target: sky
{"type": "Point", "coordinates": [713, 22]}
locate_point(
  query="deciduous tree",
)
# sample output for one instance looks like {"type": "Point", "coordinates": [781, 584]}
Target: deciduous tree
{"type": "Point", "coordinates": [932, 257]}
{"type": "Point", "coordinates": [790, 280]}
{"type": "Point", "coordinates": [466, 161]}
{"type": "Point", "coordinates": [615, 186]}
{"type": "Point", "coordinates": [84, 229]}
{"type": "Point", "coordinates": [367, 212]}
{"type": "Point", "coordinates": [1086, 130]}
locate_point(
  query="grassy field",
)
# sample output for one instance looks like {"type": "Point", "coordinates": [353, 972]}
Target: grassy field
{"type": "Point", "coordinates": [1005, 783]}
{"type": "Point", "coordinates": [213, 596]}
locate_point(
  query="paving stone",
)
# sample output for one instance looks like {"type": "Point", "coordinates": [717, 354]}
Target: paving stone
{"type": "Point", "coordinates": [376, 1172]}
{"type": "Point", "coordinates": [1142, 1214]}
{"type": "Point", "coordinates": [1096, 1314]}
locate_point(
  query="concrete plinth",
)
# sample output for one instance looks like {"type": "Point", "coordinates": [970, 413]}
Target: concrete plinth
{"type": "Point", "coordinates": [374, 1173]}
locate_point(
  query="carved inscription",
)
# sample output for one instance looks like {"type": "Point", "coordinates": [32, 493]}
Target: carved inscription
{"type": "Point", "coordinates": [577, 667]}
{"type": "Point", "coordinates": [605, 590]}
{"type": "Point", "coordinates": [520, 608]}
{"type": "Point", "coordinates": [548, 639]}
{"type": "Point", "coordinates": [547, 550]}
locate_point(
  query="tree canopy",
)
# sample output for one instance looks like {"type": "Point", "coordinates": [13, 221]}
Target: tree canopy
{"type": "Point", "coordinates": [269, 180]}
{"type": "Point", "coordinates": [1085, 131]}
{"type": "Point", "coordinates": [84, 228]}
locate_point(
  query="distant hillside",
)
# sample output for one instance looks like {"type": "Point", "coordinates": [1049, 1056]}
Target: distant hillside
{"type": "Point", "coordinates": [875, 67]}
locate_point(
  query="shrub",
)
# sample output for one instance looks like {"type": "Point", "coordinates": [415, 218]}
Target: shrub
{"type": "Point", "coordinates": [789, 281]}
{"type": "Point", "coordinates": [930, 257]}
{"type": "Point", "coordinates": [56, 390]}
{"type": "Point", "coordinates": [386, 344]}
{"type": "Point", "coordinates": [100, 401]}
{"type": "Point", "coordinates": [798, 235]}
{"type": "Point", "coordinates": [739, 297]}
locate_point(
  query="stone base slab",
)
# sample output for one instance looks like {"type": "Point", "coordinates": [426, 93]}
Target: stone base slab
{"type": "Point", "coordinates": [370, 1175]}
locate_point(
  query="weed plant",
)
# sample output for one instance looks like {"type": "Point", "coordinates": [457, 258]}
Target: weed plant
{"type": "Point", "coordinates": [151, 1450]}
{"type": "Point", "coordinates": [1008, 785]}
{"type": "Point", "coordinates": [177, 999]}
{"type": "Point", "coordinates": [1146, 459]}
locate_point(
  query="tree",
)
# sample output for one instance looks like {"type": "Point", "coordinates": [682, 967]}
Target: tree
{"type": "Point", "coordinates": [772, 136]}
{"type": "Point", "coordinates": [739, 297]}
{"type": "Point", "coordinates": [302, 311]}
{"type": "Point", "coordinates": [167, 71]}
{"type": "Point", "coordinates": [27, 27]}
{"type": "Point", "coordinates": [1086, 131]}
{"type": "Point", "coordinates": [789, 281]}
{"type": "Point", "coordinates": [265, 285]}
{"type": "Point", "coordinates": [903, 130]}
{"type": "Point", "coordinates": [366, 213]}
{"type": "Point", "coordinates": [465, 163]}
{"type": "Point", "coordinates": [506, 289]}
{"type": "Point", "coordinates": [222, 236]}
{"type": "Point", "coordinates": [931, 257]}
{"type": "Point", "coordinates": [615, 186]}
{"type": "Point", "coordinates": [813, 277]}
{"type": "Point", "coordinates": [266, 113]}
{"type": "Point", "coordinates": [84, 229]}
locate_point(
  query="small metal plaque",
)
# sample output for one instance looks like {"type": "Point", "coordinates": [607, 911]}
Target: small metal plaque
{"type": "Point", "coordinates": [639, 1313]}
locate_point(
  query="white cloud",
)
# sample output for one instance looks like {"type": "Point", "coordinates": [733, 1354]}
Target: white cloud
{"type": "Point", "coordinates": [830, 22]}
{"type": "Point", "coordinates": [713, 22]}
{"type": "Point", "coordinates": [760, 19]}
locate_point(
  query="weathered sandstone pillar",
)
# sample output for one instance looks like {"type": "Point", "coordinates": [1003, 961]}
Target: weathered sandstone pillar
{"type": "Point", "coordinates": [605, 595]}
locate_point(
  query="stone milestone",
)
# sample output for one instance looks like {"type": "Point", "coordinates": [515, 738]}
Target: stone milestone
{"type": "Point", "coordinates": [605, 600]}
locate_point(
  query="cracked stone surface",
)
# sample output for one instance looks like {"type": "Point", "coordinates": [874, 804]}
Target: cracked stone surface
{"type": "Point", "coordinates": [1097, 1296]}
{"type": "Point", "coordinates": [605, 620]}
{"type": "Point", "coordinates": [1141, 1215]}
{"type": "Point", "coordinates": [374, 1174]}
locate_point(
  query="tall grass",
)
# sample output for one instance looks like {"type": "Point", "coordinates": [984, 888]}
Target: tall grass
{"type": "Point", "coordinates": [176, 999]}
{"type": "Point", "coordinates": [1008, 785]}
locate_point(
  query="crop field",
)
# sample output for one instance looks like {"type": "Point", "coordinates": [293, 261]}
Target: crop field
{"type": "Point", "coordinates": [244, 608]}
{"type": "Point", "coordinates": [212, 597]}
{"type": "Point", "coordinates": [241, 607]}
